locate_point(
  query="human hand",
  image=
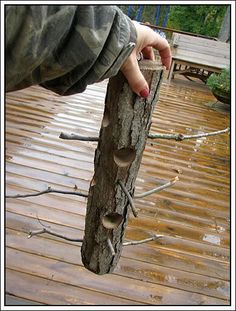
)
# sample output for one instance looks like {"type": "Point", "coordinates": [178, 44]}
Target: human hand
{"type": "Point", "coordinates": [146, 40]}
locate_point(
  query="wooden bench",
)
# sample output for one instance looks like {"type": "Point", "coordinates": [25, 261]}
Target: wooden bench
{"type": "Point", "coordinates": [197, 57]}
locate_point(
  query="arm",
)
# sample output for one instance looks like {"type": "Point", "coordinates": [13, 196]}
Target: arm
{"type": "Point", "coordinates": [65, 48]}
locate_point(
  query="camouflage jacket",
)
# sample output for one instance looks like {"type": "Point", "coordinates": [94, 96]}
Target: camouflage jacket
{"type": "Point", "coordinates": [65, 48]}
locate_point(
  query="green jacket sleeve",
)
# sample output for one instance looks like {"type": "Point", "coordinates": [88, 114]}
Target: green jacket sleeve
{"type": "Point", "coordinates": [65, 48]}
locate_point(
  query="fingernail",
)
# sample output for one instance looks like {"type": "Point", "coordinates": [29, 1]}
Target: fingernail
{"type": "Point", "coordinates": [144, 93]}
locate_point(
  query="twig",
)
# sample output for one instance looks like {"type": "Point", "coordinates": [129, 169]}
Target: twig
{"type": "Point", "coordinates": [48, 190]}
{"type": "Point", "coordinates": [40, 221]}
{"type": "Point", "coordinates": [111, 247]}
{"type": "Point", "coordinates": [133, 208]}
{"type": "Point", "coordinates": [168, 184]}
{"type": "Point", "coordinates": [143, 241]}
{"type": "Point", "coordinates": [77, 137]}
{"type": "Point", "coordinates": [180, 137]}
{"type": "Point", "coordinates": [44, 230]}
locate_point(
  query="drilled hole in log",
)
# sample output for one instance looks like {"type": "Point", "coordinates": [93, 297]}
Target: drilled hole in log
{"type": "Point", "coordinates": [106, 118]}
{"type": "Point", "coordinates": [112, 220]}
{"type": "Point", "coordinates": [124, 157]}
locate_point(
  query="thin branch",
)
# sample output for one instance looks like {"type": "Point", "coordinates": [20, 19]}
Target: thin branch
{"type": "Point", "coordinates": [111, 247]}
{"type": "Point", "coordinates": [48, 190]}
{"type": "Point", "coordinates": [77, 137]}
{"type": "Point", "coordinates": [156, 236]}
{"type": "Point", "coordinates": [133, 208]}
{"type": "Point", "coordinates": [44, 230]}
{"type": "Point", "coordinates": [168, 184]}
{"type": "Point", "coordinates": [40, 221]}
{"type": "Point", "coordinates": [180, 137]}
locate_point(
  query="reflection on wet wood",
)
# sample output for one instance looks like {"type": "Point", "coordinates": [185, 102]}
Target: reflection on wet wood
{"type": "Point", "coordinates": [76, 275]}
{"type": "Point", "coordinates": [127, 267]}
{"type": "Point", "coordinates": [190, 265]}
{"type": "Point", "coordinates": [58, 293]}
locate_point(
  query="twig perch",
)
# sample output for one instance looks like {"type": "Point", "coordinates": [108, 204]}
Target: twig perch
{"type": "Point", "coordinates": [44, 230]}
{"type": "Point", "coordinates": [158, 189]}
{"type": "Point", "coordinates": [111, 247]}
{"type": "Point", "coordinates": [180, 137]}
{"type": "Point", "coordinates": [48, 190]}
{"type": "Point", "coordinates": [155, 237]}
{"type": "Point", "coordinates": [128, 243]}
{"type": "Point", "coordinates": [77, 137]}
{"type": "Point", "coordinates": [131, 202]}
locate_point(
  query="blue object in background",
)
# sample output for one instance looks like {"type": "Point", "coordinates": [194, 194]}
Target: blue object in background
{"type": "Point", "coordinates": [166, 16]}
{"type": "Point", "coordinates": [129, 10]}
{"type": "Point", "coordinates": [157, 14]}
{"type": "Point", "coordinates": [140, 11]}
{"type": "Point", "coordinates": [158, 11]}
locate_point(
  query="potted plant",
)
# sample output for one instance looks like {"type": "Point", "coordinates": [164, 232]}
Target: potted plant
{"type": "Point", "coordinates": [219, 84]}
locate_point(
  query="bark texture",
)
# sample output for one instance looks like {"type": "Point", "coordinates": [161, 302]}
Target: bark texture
{"type": "Point", "coordinates": [124, 130]}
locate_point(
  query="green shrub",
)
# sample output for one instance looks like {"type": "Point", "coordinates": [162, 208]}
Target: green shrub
{"type": "Point", "coordinates": [220, 81]}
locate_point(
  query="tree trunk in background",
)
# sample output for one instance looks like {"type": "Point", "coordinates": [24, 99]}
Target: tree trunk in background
{"type": "Point", "coordinates": [224, 33]}
{"type": "Point", "coordinates": [122, 139]}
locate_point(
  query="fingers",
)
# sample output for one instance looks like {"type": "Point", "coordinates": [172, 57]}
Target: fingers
{"type": "Point", "coordinates": [148, 53]}
{"type": "Point", "coordinates": [160, 44]}
{"type": "Point", "coordinates": [165, 57]}
{"type": "Point", "coordinates": [147, 38]}
{"type": "Point", "coordinates": [164, 52]}
{"type": "Point", "coordinates": [134, 76]}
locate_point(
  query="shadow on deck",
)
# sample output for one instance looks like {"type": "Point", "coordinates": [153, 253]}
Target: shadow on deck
{"type": "Point", "coordinates": [189, 266]}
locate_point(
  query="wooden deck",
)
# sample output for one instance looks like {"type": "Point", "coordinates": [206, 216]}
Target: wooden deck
{"type": "Point", "coordinates": [189, 266]}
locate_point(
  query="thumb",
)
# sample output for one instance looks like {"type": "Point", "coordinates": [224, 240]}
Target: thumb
{"type": "Point", "coordinates": [134, 76]}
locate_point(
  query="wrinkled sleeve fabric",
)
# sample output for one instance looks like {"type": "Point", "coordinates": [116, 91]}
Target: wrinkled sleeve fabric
{"type": "Point", "coordinates": [65, 48]}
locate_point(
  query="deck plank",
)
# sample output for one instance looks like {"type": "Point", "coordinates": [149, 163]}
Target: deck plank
{"type": "Point", "coordinates": [11, 300]}
{"type": "Point", "coordinates": [127, 267]}
{"type": "Point", "coordinates": [54, 292]}
{"type": "Point", "coordinates": [145, 253]}
{"type": "Point", "coordinates": [112, 284]}
{"type": "Point", "coordinates": [189, 266]}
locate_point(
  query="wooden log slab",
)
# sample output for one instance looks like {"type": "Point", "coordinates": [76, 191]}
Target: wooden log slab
{"type": "Point", "coordinates": [124, 130]}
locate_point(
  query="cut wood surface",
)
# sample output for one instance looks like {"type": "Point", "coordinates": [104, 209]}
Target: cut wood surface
{"type": "Point", "coordinates": [189, 266]}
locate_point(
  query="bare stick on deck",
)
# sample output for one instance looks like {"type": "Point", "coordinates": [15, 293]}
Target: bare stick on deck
{"type": "Point", "coordinates": [180, 137]}
{"type": "Point", "coordinates": [48, 190]}
{"type": "Point", "coordinates": [133, 208]}
{"type": "Point", "coordinates": [44, 230]}
{"type": "Point", "coordinates": [158, 189]}
{"type": "Point", "coordinates": [156, 236]}
{"type": "Point", "coordinates": [77, 137]}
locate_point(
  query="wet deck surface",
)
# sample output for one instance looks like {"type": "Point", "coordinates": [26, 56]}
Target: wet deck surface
{"type": "Point", "coordinates": [189, 266]}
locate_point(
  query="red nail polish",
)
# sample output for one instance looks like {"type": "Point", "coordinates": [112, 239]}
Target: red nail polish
{"type": "Point", "coordinates": [144, 93]}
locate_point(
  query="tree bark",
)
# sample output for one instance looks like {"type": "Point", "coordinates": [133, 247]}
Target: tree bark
{"type": "Point", "coordinates": [124, 130]}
